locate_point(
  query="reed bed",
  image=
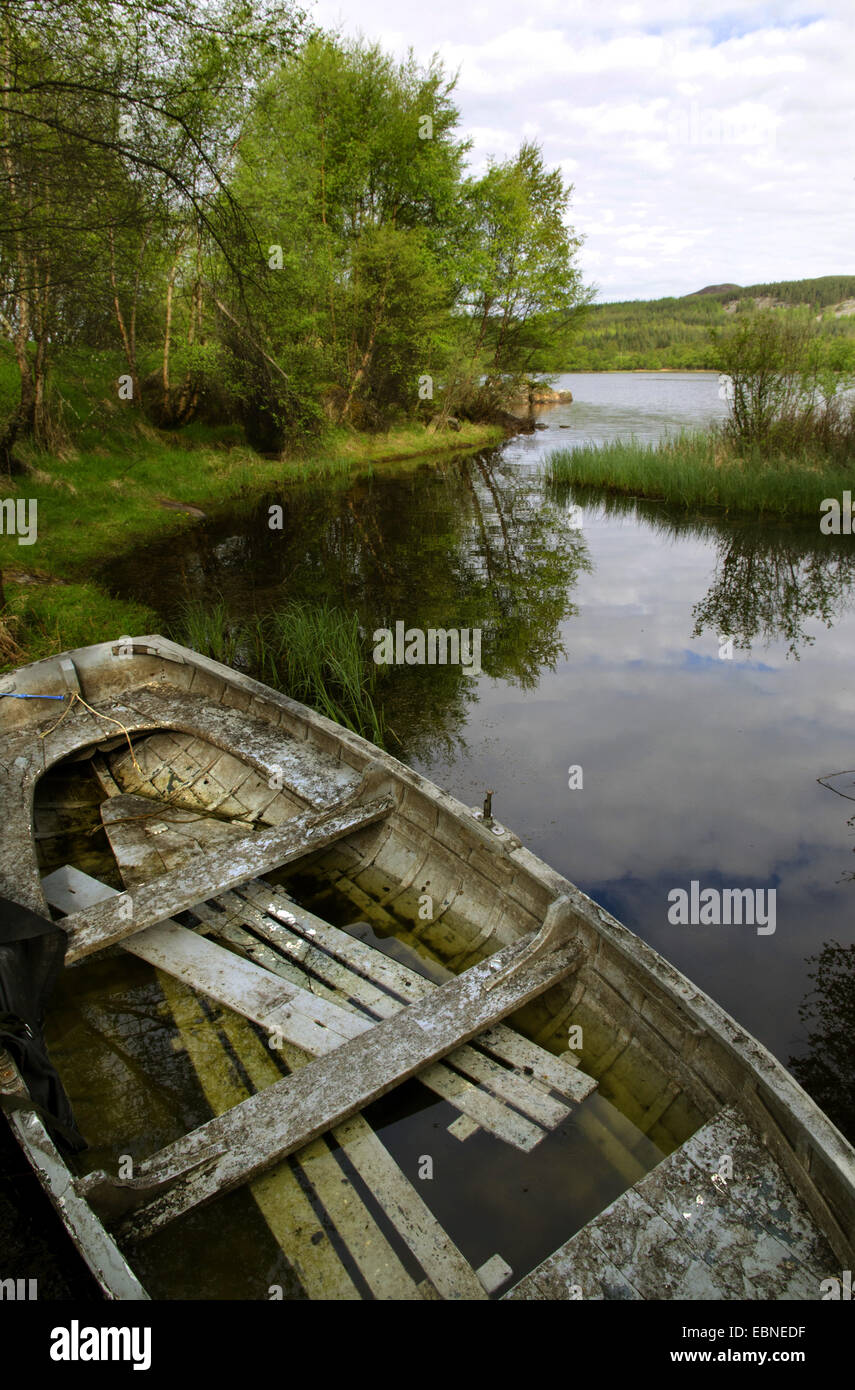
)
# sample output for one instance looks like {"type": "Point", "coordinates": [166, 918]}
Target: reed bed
{"type": "Point", "coordinates": [705, 470]}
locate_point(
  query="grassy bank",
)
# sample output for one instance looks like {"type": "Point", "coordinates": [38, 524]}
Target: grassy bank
{"type": "Point", "coordinates": [122, 485]}
{"type": "Point", "coordinates": [704, 470]}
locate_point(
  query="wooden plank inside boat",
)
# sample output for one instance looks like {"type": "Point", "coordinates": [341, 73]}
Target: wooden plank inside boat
{"type": "Point", "coordinates": [231, 1149]}
{"type": "Point", "coordinates": [525, 1092]}
{"type": "Point", "coordinates": [318, 779]}
{"type": "Point", "coordinates": [143, 846]}
{"type": "Point", "coordinates": [684, 1231]}
{"type": "Point", "coordinates": [279, 1197]}
{"type": "Point", "coordinates": [485, 1110]}
{"type": "Point", "coordinates": [280, 916]}
{"type": "Point", "coordinates": [111, 921]}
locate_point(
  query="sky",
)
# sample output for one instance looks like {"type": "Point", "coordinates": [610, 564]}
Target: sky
{"type": "Point", "coordinates": [706, 144]}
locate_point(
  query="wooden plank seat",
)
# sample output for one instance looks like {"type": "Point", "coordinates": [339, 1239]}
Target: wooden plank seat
{"type": "Point", "coordinates": [281, 920]}
{"type": "Point", "coordinates": [262, 997]}
{"type": "Point", "coordinates": [230, 1149]}
{"type": "Point", "coordinates": [113, 920]}
{"type": "Point", "coordinates": [497, 1088]}
{"type": "Point", "coordinates": [511, 1107]}
{"type": "Point", "coordinates": [514, 1108]}
{"type": "Point", "coordinates": [683, 1231]}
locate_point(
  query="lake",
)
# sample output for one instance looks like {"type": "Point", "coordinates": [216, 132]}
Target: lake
{"type": "Point", "coordinates": [606, 633]}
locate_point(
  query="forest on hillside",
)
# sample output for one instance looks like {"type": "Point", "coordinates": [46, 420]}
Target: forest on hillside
{"type": "Point", "coordinates": [682, 333]}
{"type": "Point", "coordinates": [250, 219]}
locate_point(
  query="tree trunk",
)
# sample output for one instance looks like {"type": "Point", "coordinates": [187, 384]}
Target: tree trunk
{"type": "Point", "coordinates": [127, 332]}
{"type": "Point", "coordinates": [41, 433]}
{"type": "Point", "coordinates": [366, 356]}
{"type": "Point", "coordinates": [20, 422]}
{"type": "Point", "coordinates": [167, 332]}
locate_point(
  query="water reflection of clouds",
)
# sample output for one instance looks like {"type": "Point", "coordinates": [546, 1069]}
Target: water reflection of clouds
{"type": "Point", "coordinates": [690, 770]}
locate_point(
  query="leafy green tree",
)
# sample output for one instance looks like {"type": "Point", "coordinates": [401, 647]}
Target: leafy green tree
{"type": "Point", "coordinates": [785, 391]}
{"type": "Point", "coordinates": [519, 283]}
{"type": "Point", "coordinates": [351, 169]}
{"type": "Point", "coordinates": [109, 109]}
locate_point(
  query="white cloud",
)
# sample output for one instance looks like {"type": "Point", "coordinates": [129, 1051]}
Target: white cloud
{"type": "Point", "coordinates": [703, 146]}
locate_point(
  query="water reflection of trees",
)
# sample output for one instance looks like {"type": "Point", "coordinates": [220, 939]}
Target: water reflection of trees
{"type": "Point", "coordinates": [770, 587]}
{"type": "Point", "coordinates": [469, 543]}
{"type": "Point", "coordinates": [464, 545]}
{"type": "Point", "coordinates": [771, 580]}
{"type": "Point", "coordinates": [827, 1071]}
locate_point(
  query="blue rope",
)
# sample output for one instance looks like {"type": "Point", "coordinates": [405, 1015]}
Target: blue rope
{"type": "Point", "coordinates": [10, 695]}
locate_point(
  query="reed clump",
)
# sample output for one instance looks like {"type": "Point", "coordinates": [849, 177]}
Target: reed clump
{"type": "Point", "coordinates": [315, 653]}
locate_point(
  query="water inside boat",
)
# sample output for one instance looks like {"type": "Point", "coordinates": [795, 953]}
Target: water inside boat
{"type": "Point", "coordinates": [144, 1059]}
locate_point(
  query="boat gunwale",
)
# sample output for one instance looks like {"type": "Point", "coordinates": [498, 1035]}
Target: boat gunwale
{"type": "Point", "coordinates": [758, 1075]}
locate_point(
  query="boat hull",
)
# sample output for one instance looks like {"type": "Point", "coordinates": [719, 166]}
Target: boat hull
{"type": "Point", "coordinates": [667, 1053]}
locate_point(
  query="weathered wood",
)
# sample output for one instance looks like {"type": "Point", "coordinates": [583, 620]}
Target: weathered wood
{"type": "Point", "coordinates": [449, 1273]}
{"type": "Point", "coordinates": [197, 776]}
{"type": "Point", "coordinates": [508, 1088]}
{"type": "Point", "coordinates": [684, 1231]}
{"type": "Point", "coordinates": [113, 921]}
{"type": "Point", "coordinates": [272, 1124]}
{"type": "Point", "coordinates": [278, 1194]}
{"type": "Point", "coordinates": [314, 1023]}
{"type": "Point", "coordinates": [145, 845]}
{"type": "Point", "coordinates": [289, 1211]}
{"type": "Point", "coordinates": [156, 838]}
{"type": "Point", "coordinates": [246, 988]}
{"type": "Point", "coordinates": [483, 1109]}
{"type": "Point", "coordinates": [315, 776]}
{"type": "Point", "coordinates": [406, 984]}
{"type": "Point", "coordinates": [108, 1265]}
{"type": "Point", "coordinates": [528, 1097]}
{"type": "Point", "coordinates": [760, 1186]}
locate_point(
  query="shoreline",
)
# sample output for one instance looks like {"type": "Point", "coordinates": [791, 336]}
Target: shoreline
{"type": "Point", "coordinates": [155, 486]}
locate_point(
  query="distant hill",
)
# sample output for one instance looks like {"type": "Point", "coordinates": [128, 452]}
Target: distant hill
{"type": "Point", "coordinates": [717, 289]}
{"type": "Point", "coordinates": [675, 332]}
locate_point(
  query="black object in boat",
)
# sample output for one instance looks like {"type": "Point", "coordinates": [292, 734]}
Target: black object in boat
{"type": "Point", "coordinates": [32, 952]}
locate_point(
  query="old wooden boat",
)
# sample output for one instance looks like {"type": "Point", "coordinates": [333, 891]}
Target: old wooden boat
{"type": "Point", "coordinates": [324, 933]}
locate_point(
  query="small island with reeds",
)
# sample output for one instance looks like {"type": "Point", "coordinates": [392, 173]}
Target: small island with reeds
{"type": "Point", "coordinates": [786, 445]}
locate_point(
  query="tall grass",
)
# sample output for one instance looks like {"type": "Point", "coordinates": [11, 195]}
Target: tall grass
{"type": "Point", "coordinates": [208, 630]}
{"type": "Point", "coordinates": [312, 652]}
{"type": "Point", "coordinates": [704, 470]}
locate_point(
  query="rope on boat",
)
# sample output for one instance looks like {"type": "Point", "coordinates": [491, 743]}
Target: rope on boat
{"type": "Point", "coordinates": [78, 699]}
{"type": "Point", "coordinates": [12, 695]}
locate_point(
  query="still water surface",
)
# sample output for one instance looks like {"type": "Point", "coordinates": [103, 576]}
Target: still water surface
{"type": "Point", "coordinates": [602, 628]}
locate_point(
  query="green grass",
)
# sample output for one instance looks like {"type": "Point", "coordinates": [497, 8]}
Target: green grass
{"type": "Point", "coordinates": [702, 470]}
{"type": "Point", "coordinates": [100, 495]}
{"type": "Point", "coordinates": [313, 652]}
